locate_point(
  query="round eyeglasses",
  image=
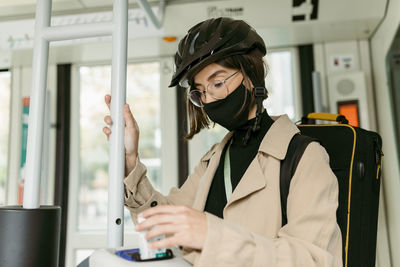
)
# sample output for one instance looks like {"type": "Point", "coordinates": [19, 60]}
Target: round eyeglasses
{"type": "Point", "coordinates": [216, 89]}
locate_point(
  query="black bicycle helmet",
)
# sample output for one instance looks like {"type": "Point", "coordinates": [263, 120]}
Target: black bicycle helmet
{"type": "Point", "coordinates": [210, 41]}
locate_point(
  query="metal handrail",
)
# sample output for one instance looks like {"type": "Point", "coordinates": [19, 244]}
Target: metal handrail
{"type": "Point", "coordinates": [44, 34]}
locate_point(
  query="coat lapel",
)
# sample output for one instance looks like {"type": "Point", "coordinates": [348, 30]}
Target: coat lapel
{"type": "Point", "coordinates": [206, 179]}
{"type": "Point", "coordinates": [275, 144]}
{"type": "Point", "coordinates": [252, 181]}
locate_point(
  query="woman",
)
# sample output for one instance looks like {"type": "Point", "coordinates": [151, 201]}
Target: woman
{"type": "Point", "coordinates": [228, 211]}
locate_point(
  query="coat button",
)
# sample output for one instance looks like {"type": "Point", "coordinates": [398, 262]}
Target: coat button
{"type": "Point", "coordinates": [153, 204]}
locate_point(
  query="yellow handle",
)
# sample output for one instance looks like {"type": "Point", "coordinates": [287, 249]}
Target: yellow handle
{"type": "Point", "coordinates": [325, 116]}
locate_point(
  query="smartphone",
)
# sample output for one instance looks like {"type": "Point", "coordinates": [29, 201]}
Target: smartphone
{"type": "Point", "coordinates": [164, 256]}
{"type": "Point", "coordinates": [134, 255]}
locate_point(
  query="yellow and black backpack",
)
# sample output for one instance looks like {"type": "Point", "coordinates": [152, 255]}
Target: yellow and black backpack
{"type": "Point", "coordinates": [356, 159]}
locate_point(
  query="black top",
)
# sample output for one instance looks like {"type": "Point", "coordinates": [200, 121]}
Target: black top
{"type": "Point", "coordinates": [240, 158]}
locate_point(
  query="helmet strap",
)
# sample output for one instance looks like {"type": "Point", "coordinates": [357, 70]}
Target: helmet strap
{"type": "Point", "coordinates": [259, 92]}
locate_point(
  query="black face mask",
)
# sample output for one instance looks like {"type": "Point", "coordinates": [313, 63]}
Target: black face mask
{"type": "Point", "coordinates": [223, 111]}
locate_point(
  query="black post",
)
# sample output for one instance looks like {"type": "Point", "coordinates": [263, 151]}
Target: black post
{"type": "Point", "coordinates": [29, 237]}
{"type": "Point", "coordinates": [183, 163]}
{"type": "Point", "coordinates": [306, 55]}
{"type": "Point", "coordinates": [62, 150]}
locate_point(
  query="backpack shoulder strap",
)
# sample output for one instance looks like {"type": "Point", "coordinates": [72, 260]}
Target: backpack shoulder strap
{"type": "Point", "coordinates": [295, 151]}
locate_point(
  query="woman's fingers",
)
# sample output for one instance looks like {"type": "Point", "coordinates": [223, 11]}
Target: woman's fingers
{"type": "Point", "coordinates": [161, 215]}
{"type": "Point", "coordinates": [165, 243]}
{"type": "Point", "coordinates": [156, 220]}
{"type": "Point", "coordinates": [172, 209]}
{"type": "Point", "coordinates": [131, 135]}
{"type": "Point", "coordinates": [187, 226]}
{"type": "Point", "coordinates": [128, 117]}
{"type": "Point", "coordinates": [107, 131]}
{"type": "Point", "coordinates": [108, 120]}
{"type": "Point", "coordinates": [161, 229]}
{"type": "Point", "coordinates": [131, 131]}
{"type": "Point", "coordinates": [107, 99]}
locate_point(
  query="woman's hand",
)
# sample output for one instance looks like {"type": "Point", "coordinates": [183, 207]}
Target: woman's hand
{"type": "Point", "coordinates": [187, 226]}
{"type": "Point", "coordinates": [131, 135]}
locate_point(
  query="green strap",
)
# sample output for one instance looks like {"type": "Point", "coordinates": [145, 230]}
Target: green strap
{"type": "Point", "coordinates": [227, 174]}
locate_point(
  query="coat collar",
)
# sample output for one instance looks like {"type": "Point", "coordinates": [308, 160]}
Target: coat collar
{"type": "Point", "coordinates": [217, 147]}
{"type": "Point", "coordinates": [277, 139]}
{"type": "Point", "coordinates": [274, 143]}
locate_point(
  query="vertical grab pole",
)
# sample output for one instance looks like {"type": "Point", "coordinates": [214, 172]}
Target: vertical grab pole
{"type": "Point", "coordinates": [316, 81]}
{"type": "Point", "coordinates": [36, 110]}
{"type": "Point", "coordinates": [117, 149]}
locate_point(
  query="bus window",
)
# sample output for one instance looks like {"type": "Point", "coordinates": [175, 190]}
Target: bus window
{"type": "Point", "coordinates": [143, 95]}
{"type": "Point", "coordinates": [5, 83]}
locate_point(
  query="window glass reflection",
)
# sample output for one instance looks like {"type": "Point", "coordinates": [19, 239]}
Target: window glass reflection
{"type": "Point", "coordinates": [143, 85]}
{"type": "Point", "coordinates": [280, 85]}
{"type": "Point", "coordinates": [5, 83]}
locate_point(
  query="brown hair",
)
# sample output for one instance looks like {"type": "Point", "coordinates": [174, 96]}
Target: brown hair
{"type": "Point", "coordinates": [251, 62]}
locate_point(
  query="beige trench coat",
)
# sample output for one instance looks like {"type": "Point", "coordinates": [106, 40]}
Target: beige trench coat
{"type": "Point", "coordinates": [250, 233]}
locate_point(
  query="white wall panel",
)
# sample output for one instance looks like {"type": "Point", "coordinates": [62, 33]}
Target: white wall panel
{"type": "Point", "coordinates": [339, 50]}
{"type": "Point", "coordinates": [365, 66]}
{"type": "Point", "coordinates": [355, 54]}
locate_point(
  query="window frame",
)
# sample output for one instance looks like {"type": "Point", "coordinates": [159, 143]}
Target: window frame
{"type": "Point", "coordinates": [76, 239]}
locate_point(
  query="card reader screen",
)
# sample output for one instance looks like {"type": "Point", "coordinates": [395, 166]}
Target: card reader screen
{"type": "Point", "coordinates": [350, 110]}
